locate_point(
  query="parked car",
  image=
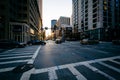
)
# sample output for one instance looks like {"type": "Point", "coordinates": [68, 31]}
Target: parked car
{"type": "Point", "coordinates": [11, 44]}
{"type": "Point", "coordinates": [36, 42]}
{"type": "Point", "coordinates": [89, 41]}
{"type": "Point", "coordinates": [116, 42]}
{"type": "Point", "coordinates": [71, 39]}
{"type": "Point", "coordinates": [58, 41]}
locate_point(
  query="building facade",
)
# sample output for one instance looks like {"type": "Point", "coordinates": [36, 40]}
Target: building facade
{"type": "Point", "coordinates": [99, 18]}
{"type": "Point", "coordinates": [75, 15]}
{"type": "Point", "coordinates": [63, 20]}
{"type": "Point", "coordinates": [60, 26]}
{"type": "Point", "coordinates": [20, 20]}
{"type": "Point", "coordinates": [53, 23]}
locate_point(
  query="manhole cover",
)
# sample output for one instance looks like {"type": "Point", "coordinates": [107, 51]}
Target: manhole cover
{"type": "Point", "coordinates": [22, 68]}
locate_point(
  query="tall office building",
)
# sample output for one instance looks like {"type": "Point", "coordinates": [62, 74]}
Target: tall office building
{"type": "Point", "coordinates": [20, 20]}
{"type": "Point", "coordinates": [75, 15]}
{"type": "Point", "coordinates": [63, 20]}
{"type": "Point", "coordinates": [99, 18]}
{"type": "Point", "coordinates": [53, 23]}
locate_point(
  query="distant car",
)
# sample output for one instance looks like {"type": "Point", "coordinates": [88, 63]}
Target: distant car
{"type": "Point", "coordinates": [116, 42]}
{"type": "Point", "coordinates": [71, 39]}
{"type": "Point", "coordinates": [36, 42]}
{"type": "Point", "coordinates": [58, 41]}
{"type": "Point", "coordinates": [89, 41]}
{"type": "Point", "coordinates": [11, 44]}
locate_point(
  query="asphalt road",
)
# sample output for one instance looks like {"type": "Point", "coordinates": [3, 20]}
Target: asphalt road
{"type": "Point", "coordinates": [66, 61]}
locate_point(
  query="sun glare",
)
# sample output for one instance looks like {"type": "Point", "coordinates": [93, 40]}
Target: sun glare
{"type": "Point", "coordinates": [48, 33]}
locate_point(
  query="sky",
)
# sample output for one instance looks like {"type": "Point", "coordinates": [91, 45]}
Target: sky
{"type": "Point", "coordinates": [53, 9]}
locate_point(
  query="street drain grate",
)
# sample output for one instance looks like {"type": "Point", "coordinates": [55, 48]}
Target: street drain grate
{"type": "Point", "coordinates": [22, 68]}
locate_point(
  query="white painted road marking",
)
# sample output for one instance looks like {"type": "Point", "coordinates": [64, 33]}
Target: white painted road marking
{"type": "Point", "coordinates": [111, 67]}
{"type": "Point", "coordinates": [15, 57]}
{"type": "Point", "coordinates": [6, 55]}
{"type": "Point", "coordinates": [37, 71]}
{"type": "Point", "coordinates": [51, 70]}
{"type": "Point", "coordinates": [99, 71]}
{"type": "Point", "coordinates": [26, 75]}
{"type": "Point", "coordinates": [115, 61]}
{"type": "Point", "coordinates": [17, 61]}
{"type": "Point", "coordinates": [9, 50]}
{"type": "Point", "coordinates": [6, 69]}
{"type": "Point", "coordinates": [52, 75]}
{"type": "Point", "coordinates": [75, 72]}
{"type": "Point", "coordinates": [34, 56]}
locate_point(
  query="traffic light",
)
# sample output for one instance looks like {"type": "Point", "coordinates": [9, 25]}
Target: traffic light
{"type": "Point", "coordinates": [105, 5]}
{"type": "Point", "coordinates": [46, 28]}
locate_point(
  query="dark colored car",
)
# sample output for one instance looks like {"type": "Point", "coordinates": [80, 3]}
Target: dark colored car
{"type": "Point", "coordinates": [36, 42]}
{"type": "Point", "coordinates": [71, 39]}
{"type": "Point", "coordinates": [11, 44]}
{"type": "Point", "coordinates": [116, 42]}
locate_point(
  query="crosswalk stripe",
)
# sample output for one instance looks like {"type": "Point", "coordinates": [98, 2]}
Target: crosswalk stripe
{"type": "Point", "coordinates": [9, 50]}
{"type": "Point", "coordinates": [115, 61]}
{"type": "Point", "coordinates": [103, 59]}
{"type": "Point", "coordinates": [26, 75]}
{"type": "Point", "coordinates": [111, 67]}
{"type": "Point", "coordinates": [17, 61]}
{"type": "Point", "coordinates": [99, 71]}
{"type": "Point", "coordinates": [95, 60]}
{"type": "Point", "coordinates": [15, 57]}
{"type": "Point", "coordinates": [34, 56]}
{"type": "Point", "coordinates": [38, 71]}
{"type": "Point", "coordinates": [6, 69]}
{"type": "Point", "coordinates": [16, 54]}
{"type": "Point", "coordinates": [52, 75]}
{"type": "Point", "coordinates": [75, 72]}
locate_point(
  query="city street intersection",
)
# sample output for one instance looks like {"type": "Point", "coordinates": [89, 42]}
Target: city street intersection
{"type": "Point", "coordinates": [65, 61]}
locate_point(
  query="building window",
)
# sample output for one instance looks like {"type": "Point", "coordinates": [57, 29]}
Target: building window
{"type": "Point", "coordinates": [94, 25]}
{"type": "Point", "coordinates": [86, 28]}
{"type": "Point", "coordinates": [104, 18]}
{"type": "Point", "coordinates": [104, 24]}
{"type": "Point", "coordinates": [94, 20]}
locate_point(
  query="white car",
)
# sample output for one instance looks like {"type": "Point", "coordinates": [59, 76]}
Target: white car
{"type": "Point", "coordinates": [58, 41]}
{"type": "Point", "coordinates": [89, 41]}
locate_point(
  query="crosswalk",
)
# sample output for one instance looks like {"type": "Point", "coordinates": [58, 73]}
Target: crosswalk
{"type": "Point", "coordinates": [53, 73]}
{"type": "Point", "coordinates": [16, 57]}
